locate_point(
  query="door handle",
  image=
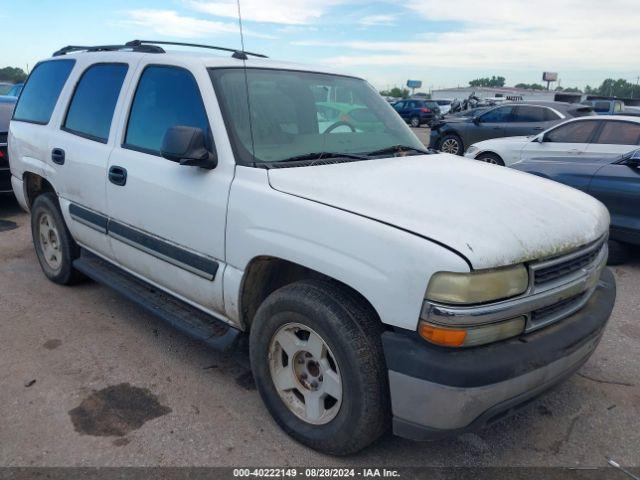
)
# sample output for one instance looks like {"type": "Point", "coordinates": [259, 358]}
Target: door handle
{"type": "Point", "coordinates": [57, 156]}
{"type": "Point", "coordinates": [118, 175]}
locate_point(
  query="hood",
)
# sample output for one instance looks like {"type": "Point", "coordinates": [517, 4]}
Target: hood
{"type": "Point", "coordinates": [492, 215]}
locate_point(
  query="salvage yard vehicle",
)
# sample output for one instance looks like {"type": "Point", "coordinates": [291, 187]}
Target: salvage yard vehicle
{"type": "Point", "coordinates": [6, 110]}
{"type": "Point", "coordinates": [379, 285]}
{"type": "Point", "coordinates": [455, 134]}
{"type": "Point", "coordinates": [576, 139]}
{"type": "Point", "coordinates": [417, 112]}
{"type": "Point", "coordinates": [613, 181]}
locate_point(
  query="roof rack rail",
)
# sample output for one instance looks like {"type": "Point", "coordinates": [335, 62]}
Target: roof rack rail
{"type": "Point", "coordinates": [109, 48]}
{"type": "Point", "coordinates": [239, 54]}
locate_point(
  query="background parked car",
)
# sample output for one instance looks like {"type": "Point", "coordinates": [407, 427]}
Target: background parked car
{"type": "Point", "coordinates": [615, 182]}
{"type": "Point", "coordinates": [606, 107]}
{"type": "Point", "coordinates": [599, 137]}
{"type": "Point", "coordinates": [15, 90]}
{"type": "Point", "coordinates": [418, 112]}
{"type": "Point", "coordinates": [445, 106]}
{"type": "Point", "coordinates": [6, 109]}
{"type": "Point", "coordinates": [5, 87]}
{"type": "Point", "coordinates": [454, 134]}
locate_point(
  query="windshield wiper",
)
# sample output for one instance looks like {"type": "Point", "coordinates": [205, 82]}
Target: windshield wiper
{"type": "Point", "coordinates": [396, 149]}
{"type": "Point", "coordinates": [308, 159]}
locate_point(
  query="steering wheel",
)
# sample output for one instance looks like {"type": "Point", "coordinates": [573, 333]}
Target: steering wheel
{"type": "Point", "coordinates": [339, 123]}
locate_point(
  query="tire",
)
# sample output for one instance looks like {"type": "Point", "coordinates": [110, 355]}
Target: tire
{"type": "Point", "coordinates": [618, 252]}
{"type": "Point", "coordinates": [451, 144]}
{"type": "Point", "coordinates": [350, 336]}
{"type": "Point", "coordinates": [490, 158]}
{"type": "Point", "coordinates": [55, 248]}
{"type": "Point", "coordinates": [415, 122]}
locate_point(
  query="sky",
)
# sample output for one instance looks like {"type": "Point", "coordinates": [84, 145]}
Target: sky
{"type": "Point", "coordinates": [444, 43]}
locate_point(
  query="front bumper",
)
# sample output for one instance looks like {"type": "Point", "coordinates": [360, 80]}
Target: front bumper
{"type": "Point", "coordinates": [436, 391]}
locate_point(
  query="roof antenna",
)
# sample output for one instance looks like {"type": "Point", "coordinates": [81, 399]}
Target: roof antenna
{"type": "Point", "coordinates": [241, 55]}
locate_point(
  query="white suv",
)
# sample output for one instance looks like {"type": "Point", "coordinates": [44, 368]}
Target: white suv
{"type": "Point", "coordinates": [378, 284]}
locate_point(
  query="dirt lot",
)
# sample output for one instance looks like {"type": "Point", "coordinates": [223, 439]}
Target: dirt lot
{"type": "Point", "coordinates": [71, 357]}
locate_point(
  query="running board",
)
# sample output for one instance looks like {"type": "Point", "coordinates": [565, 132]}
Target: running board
{"type": "Point", "coordinates": [182, 316]}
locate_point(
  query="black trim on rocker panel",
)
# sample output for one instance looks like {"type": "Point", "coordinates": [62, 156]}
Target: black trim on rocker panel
{"type": "Point", "coordinates": [177, 256]}
{"type": "Point", "coordinates": [89, 218]}
{"type": "Point", "coordinates": [194, 263]}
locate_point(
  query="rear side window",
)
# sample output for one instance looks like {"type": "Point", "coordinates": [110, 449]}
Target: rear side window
{"type": "Point", "coordinates": [94, 101]}
{"type": "Point", "coordinates": [574, 132]}
{"type": "Point", "coordinates": [619, 133]}
{"type": "Point", "coordinates": [40, 94]}
{"type": "Point", "coordinates": [529, 114]}
{"type": "Point", "coordinates": [165, 97]}
{"type": "Point", "coordinates": [601, 107]}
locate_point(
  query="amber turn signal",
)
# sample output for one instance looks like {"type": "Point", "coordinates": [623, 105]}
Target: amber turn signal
{"type": "Point", "coordinates": [447, 337]}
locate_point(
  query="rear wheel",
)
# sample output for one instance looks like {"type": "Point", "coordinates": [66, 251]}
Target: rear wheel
{"type": "Point", "coordinates": [451, 144]}
{"type": "Point", "coordinates": [316, 355]}
{"type": "Point", "coordinates": [490, 158]}
{"type": "Point", "coordinates": [415, 122]}
{"type": "Point", "coordinates": [55, 248]}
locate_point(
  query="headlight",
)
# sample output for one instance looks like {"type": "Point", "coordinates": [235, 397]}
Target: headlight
{"type": "Point", "coordinates": [471, 150]}
{"type": "Point", "coordinates": [477, 287]}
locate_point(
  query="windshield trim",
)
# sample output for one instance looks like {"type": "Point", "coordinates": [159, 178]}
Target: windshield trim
{"type": "Point", "coordinates": [240, 153]}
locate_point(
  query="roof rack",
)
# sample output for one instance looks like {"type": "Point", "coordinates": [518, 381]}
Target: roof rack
{"type": "Point", "coordinates": [108, 48]}
{"type": "Point", "coordinates": [239, 54]}
{"type": "Point", "coordinates": [150, 46]}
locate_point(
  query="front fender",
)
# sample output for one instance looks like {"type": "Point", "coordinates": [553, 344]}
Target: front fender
{"type": "Point", "coordinates": [388, 266]}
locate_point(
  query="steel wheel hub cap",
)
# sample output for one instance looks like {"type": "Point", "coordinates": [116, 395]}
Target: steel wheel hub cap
{"type": "Point", "coordinates": [450, 146]}
{"type": "Point", "coordinates": [49, 241]}
{"type": "Point", "coordinates": [305, 373]}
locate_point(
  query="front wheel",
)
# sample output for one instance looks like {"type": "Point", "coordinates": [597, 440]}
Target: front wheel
{"type": "Point", "coordinates": [490, 158]}
{"type": "Point", "coordinates": [316, 355]}
{"type": "Point", "coordinates": [451, 144]}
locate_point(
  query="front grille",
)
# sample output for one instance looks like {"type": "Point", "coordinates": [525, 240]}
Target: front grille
{"type": "Point", "coordinates": [564, 268]}
{"type": "Point", "coordinates": [543, 314]}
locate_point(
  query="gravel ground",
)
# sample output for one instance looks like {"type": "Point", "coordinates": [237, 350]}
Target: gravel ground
{"type": "Point", "coordinates": [68, 353]}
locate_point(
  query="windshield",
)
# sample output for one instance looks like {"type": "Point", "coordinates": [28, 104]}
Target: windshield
{"type": "Point", "coordinates": [299, 114]}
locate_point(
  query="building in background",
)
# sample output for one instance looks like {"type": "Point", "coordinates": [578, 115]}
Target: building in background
{"type": "Point", "coordinates": [510, 94]}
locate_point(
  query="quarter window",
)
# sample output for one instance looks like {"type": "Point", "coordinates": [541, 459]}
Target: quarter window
{"type": "Point", "coordinates": [619, 133]}
{"type": "Point", "coordinates": [574, 132]}
{"type": "Point", "coordinates": [41, 92]}
{"type": "Point", "coordinates": [166, 97]}
{"type": "Point", "coordinates": [94, 101]}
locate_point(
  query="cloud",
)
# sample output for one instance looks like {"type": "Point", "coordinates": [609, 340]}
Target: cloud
{"type": "Point", "coordinates": [170, 23]}
{"type": "Point", "coordinates": [512, 34]}
{"type": "Point", "coordinates": [288, 12]}
{"type": "Point", "coordinates": [376, 20]}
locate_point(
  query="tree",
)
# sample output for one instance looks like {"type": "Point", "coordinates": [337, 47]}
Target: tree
{"type": "Point", "coordinates": [488, 82]}
{"type": "Point", "coordinates": [12, 75]}
{"type": "Point", "coordinates": [531, 86]}
{"type": "Point", "coordinates": [615, 88]}
{"type": "Point", "coordinates": [395, 92]}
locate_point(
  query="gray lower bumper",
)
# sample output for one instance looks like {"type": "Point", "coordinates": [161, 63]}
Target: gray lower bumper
{"type": "Point", "coordinates": [435, 408]}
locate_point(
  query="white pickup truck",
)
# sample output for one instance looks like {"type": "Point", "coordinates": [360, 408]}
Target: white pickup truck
{"type": "Point", "coordinates": [379, 285]}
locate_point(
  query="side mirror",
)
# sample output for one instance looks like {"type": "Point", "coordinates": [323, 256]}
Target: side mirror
{"type": "Point", "coordinates": [477, 120]}
{"type": "Point", "coordinates": [188, 146]}
{"type": "Point", "coordinates": [539, 138]}
{"type": "Point", "coordinates": [634, 160]}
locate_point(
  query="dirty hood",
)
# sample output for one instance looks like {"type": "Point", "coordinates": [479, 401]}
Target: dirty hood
{"type": "Point", "coordinates": [491, 215]}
